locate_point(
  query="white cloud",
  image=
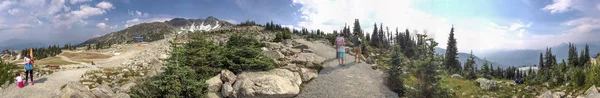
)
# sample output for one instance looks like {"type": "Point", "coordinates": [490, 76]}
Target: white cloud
{"type": "Point", "coordinates": [559, 6]}
{"type": "Point", "coordinates": [105, 19]}
{"type": "Point", "coordinates": [6, 4]}
{"type": "Point", "coordinates": [79, 1]}
{"type": "Point", "coordinates": [105, 5]}
{"type": "Point", "coordinates": [101, 25]}
{"type": "Point", "coordinates": [598, 6]}
{"type": "Point", "coordinates": [231, 21]}
{"type": "Point", "coordinates": [57, 6]}
{"type": "Point", "coordinates": [137, 13]}
{"type": "Point", "coordinates": [84, 12]}
{"type": "Point", "coordinates": [14, 11]}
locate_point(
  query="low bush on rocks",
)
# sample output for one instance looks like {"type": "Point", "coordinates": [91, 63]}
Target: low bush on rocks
{"type": "Point", "coordinates": [7, 72]}
{"type": "Point", "coordinates": [192, 63]}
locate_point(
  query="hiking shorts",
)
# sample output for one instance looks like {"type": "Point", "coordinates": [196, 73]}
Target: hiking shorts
{"type": "Point", "coordinates": [358, 50]}
{"type": "Point", "coordinates": [340, 55]}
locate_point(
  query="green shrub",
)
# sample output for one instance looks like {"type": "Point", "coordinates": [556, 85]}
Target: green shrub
{"type": "Point", "coordinates": [280, 36]}
{"type": "Point", "coordinates": [192, 63]}
{"type": "Point", "coordinates": [7, 72]}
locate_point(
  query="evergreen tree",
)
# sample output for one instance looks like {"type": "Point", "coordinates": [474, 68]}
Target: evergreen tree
{"type": "Point", "coordinates": [549, 58]}
{"type": "Point", "coordinates": [368, 37]}
{"type": "Point", "coordinates": [573, 57]}
{"type": "Point", "coordinates": [381, 36]}
{"type": "Point", "coordinates": [585, 55]}
{"type": "Point", "coordinates": [541, 63]}
{"type": "Point", "coordinates": [469, 67]}
{"type": "Point", "coordinates": [451, 56]}
{"type": "Point", "coordinates": [485, 69]}
{"type": "Point", "coordinates": [357, 30]}
{"type": "Point", "coordinates": [374, 36]}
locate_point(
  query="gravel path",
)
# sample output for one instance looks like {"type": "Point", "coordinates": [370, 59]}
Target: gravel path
{"type": "Point", "coordinates": [351, 80]}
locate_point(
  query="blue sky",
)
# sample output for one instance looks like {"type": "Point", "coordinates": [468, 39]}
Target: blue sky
{"type": "Point", "coordinates": [481, 25]}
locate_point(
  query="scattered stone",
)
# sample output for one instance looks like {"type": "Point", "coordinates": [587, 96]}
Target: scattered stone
{"type": "Point", "coordinates": [308, 74]}
{"type": "Point", "coordinates": [214, 83]}
{"type": "Point", "coordinates": [276, 83]}
{"type": "Point", "coordinates": [274, 46]}
{"type": "Point", "coordinates": [75, 90]}
{"type": "Point", "coordinates": [528, 88]}
{"type": "Point", "coordinates": [457, 76]}
{"type": "Point", "coordinates": [291, 67]}
{"type": "Point", "coordinates": [228, 76]}
{"type": "Point", "coordinates": [301, 47]}
{"type": "Point", "coordinates": [546, 94]}
{"type": "Point", "coordinates": [559, 94]}
{"type": "Point", "coordinates": [486, 84]}
{"type": "Point", "coordinates": [213, 95]}
{"type": "Point", "coordinates": [307, 50]}
{"type": "Point", "coordinates": [122, 95]}
{"type": "Point", "coordinates": [226, 90]}
{"type": "Point", "coordinates": [370, 60]}
{"type": "Point", "coordinates": [127, 87]}
{"type": "Point", "coordinates": [264, 49]}
{"type": "Point", "coordinates": [103, 91]}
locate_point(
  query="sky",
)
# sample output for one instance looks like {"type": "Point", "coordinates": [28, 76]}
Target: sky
{"type": "Point", "coordinates": [480, 25]}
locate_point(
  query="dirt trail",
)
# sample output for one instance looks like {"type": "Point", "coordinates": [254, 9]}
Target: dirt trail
{"type": "Point", "coordinates": [351, 80]}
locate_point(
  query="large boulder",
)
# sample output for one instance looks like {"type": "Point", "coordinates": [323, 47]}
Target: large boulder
{"type": "Point", "coordinates": [76, 90]}
{"type": "Point", "coordinates": [228, 76]}
{"type": "Point", "coordinates": [103, 91]}
{"type": "Point", "coordinates": [214, 83]}
{"type": "Point", "coordinates": [592, 92]}
{"type": "Point", "coordinates": [308, 74]}
{"type": "Point", "coordinates": [213, 95]}
{"type": "Point", "coordinates": [559, 94]}
{"type": "Point", "coordinates": [486, 84]}
{"type": "Point", "coordinates": [273, 54]}
{"type": "Point", "coordinates": [227, 90]}
{"type": "Point", "coordinates": [457, 76]}
{"type": "Point", "coordinates": [276, 83]}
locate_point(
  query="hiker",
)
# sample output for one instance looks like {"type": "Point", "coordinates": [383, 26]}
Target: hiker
{"type": "Point", "coordinates": [340, 48]}
{"type": "Point", "coordinates": [19, 80]}
{"type": "Point", "coordinates": [357, 47]}
{"type": "Point", "coordinates": [28, 69]}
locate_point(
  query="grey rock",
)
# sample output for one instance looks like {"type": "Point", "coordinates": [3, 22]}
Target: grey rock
{"type": "Point", "coordinates": [103, 91]}
{"type": "Point", "coordinates": [308, 74]}
{"type": "Point", "coordinates": [457, 76]}
{"type": "Point", "coordinates": [214, 83]}
{"type": "Point", "coordinates": [227, 89]}
{"type": "Point", "coordinates": [228, 76]}
{"type": "Point", "coordinates": [76, 90]}
{"type": "Point", "coordinates": [274, 46]}
{"type": "Point", "coordinates": [273, 54]}
{"type": "Point", "coordinates": [592, 92]}
{"type": "Point", "coordinates": [486, 84]}
{"type": "Point", "coordinates": [276, 83]}
{"type": "Point", "coordinates": [213, 95]}
{"type": "Point", "coordinates": [127, 87]}
{"type": "Point", "coordinates": [370, 60]}
{"type": "Point", "coordinates": [122, 95]}
{"type": "Point", "coordinates": [546, 94]}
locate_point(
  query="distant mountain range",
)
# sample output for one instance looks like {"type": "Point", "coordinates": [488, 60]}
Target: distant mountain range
{"type": "Point", "coordinates": [157, 30]}
{"type": "Point", "coordinates": [462, 57]}
{"type": "Point", "coordinates": [18, 44]}
{"type": "Point", "coordinates": [531, 57]}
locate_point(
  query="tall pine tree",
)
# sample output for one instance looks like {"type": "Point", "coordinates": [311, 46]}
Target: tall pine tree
{"type": "Point", "coordinates": [451, 56]}
{"type": "Point", "coordinates": [374, 36]}
{"type": "Point", "coordinates": [357, 30]}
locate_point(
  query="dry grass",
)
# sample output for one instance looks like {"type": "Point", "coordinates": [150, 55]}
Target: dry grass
{"type": "Point", "coordinates": [52, 61]}
{"type": "Point", "coordinates": [85, 55]}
